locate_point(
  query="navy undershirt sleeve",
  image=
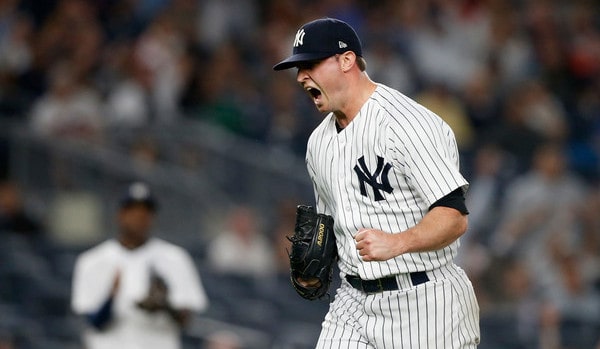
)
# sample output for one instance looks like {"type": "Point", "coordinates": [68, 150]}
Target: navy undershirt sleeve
{"type": "Point", "coordinates": [455, 200]}
{"type": "Point", "coordinates": [101, 317]}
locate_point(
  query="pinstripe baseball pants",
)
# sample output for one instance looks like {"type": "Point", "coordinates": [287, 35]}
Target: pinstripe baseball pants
{"type": "Point", "coordinates": [439, 314]}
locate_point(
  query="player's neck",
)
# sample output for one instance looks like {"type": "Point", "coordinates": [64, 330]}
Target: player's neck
{"type": "Point", "coordinates": [357, 95]}
{"type": "Point", "coordinates": [131, 243]}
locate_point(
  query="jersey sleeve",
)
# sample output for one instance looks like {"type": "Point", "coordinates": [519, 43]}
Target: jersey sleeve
{"type": "Point", "coordinates": [320, 205]}
{"type": "Point", "coordinates": [91, 285]}
{"type": "Point", "coordinates": [185, 286]}
{"type": "Point", "coordinates": [428, 154]}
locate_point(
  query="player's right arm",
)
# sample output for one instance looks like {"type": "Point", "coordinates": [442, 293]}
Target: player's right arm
{"type": "Point", "coordinates": [94, 291]}
{"type": "Point", "coordinates": [102, 316]}
{"type": "Point", "coordinates": [311, 160]}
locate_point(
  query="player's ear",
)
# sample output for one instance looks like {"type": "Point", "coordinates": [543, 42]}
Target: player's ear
{"type": "Point", "coordinates": [347, 60]}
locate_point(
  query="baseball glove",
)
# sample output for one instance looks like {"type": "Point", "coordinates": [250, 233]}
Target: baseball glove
{"type": "Point", "coordinates": [313, 252]}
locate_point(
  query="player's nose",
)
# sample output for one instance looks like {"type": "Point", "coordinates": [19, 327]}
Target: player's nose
{"type": "Point", "coordinates": [302, 75]}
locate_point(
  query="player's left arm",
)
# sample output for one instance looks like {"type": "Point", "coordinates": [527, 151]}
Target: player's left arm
{"type": "Point", "coordinates": [434, 174]}
{"type": "Point", "coordinates": [181, 316]}
{"type": "Point", "coordinates": [187, 294]}
{"type": "Point", "coordinates": [443, 224]}
{"type": "Point", "coordinates": [158, 300]}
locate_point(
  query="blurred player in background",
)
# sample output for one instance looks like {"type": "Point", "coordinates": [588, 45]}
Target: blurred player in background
{"type": "Point", "coordinates": [136, 291]}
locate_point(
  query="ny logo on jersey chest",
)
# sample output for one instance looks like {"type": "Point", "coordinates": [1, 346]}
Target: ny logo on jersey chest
{"type": "Point", "coordinates": [378, 180]}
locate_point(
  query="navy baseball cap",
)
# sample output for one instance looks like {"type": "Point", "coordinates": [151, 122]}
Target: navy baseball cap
{"type": "Point", "coordinates": [138, 193]}
{"type": "Point", "coordinates": [320, 39]}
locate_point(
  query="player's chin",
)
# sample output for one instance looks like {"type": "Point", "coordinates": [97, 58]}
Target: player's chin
{"type": "Point", "coordinates": [321, 108]}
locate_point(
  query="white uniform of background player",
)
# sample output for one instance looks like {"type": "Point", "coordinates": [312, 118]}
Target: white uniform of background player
{"type": "Point", "coordinates": [130, 326]}
{"type": "Point", "coordinates": [383, 167]}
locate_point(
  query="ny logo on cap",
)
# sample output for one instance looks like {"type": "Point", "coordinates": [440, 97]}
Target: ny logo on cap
{"type": "Point", "coordinates": [299, 40]}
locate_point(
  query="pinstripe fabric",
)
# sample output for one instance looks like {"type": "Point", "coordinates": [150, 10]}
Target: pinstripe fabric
{"type": "Point", "coordinates": [383, 171]}
{"type": "Point", "coordinates": [439, 314]}
{"type": "Point", "coordinates": [422, 152]}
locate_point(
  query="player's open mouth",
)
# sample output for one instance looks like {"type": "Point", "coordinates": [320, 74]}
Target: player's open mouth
{"type": "Point", "coordinates": [315, 93]}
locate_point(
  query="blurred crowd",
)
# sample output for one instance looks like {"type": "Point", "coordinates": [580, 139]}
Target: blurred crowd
{"type": "Point", "coordinates": [509, 72]}
{"type": "Point", "coordinates": [518, 81]}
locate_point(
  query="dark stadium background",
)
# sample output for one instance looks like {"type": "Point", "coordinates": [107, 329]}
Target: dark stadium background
{"type": "Point", "coordinates": [180, 93]}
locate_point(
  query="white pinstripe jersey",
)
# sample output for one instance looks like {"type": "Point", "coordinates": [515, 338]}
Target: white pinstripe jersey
{"type": "Point", "coordinates": [383, 171]}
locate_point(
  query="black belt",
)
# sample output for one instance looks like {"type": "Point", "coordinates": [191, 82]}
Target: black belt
{"type": "Point", "coordinates": [388, 283]}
